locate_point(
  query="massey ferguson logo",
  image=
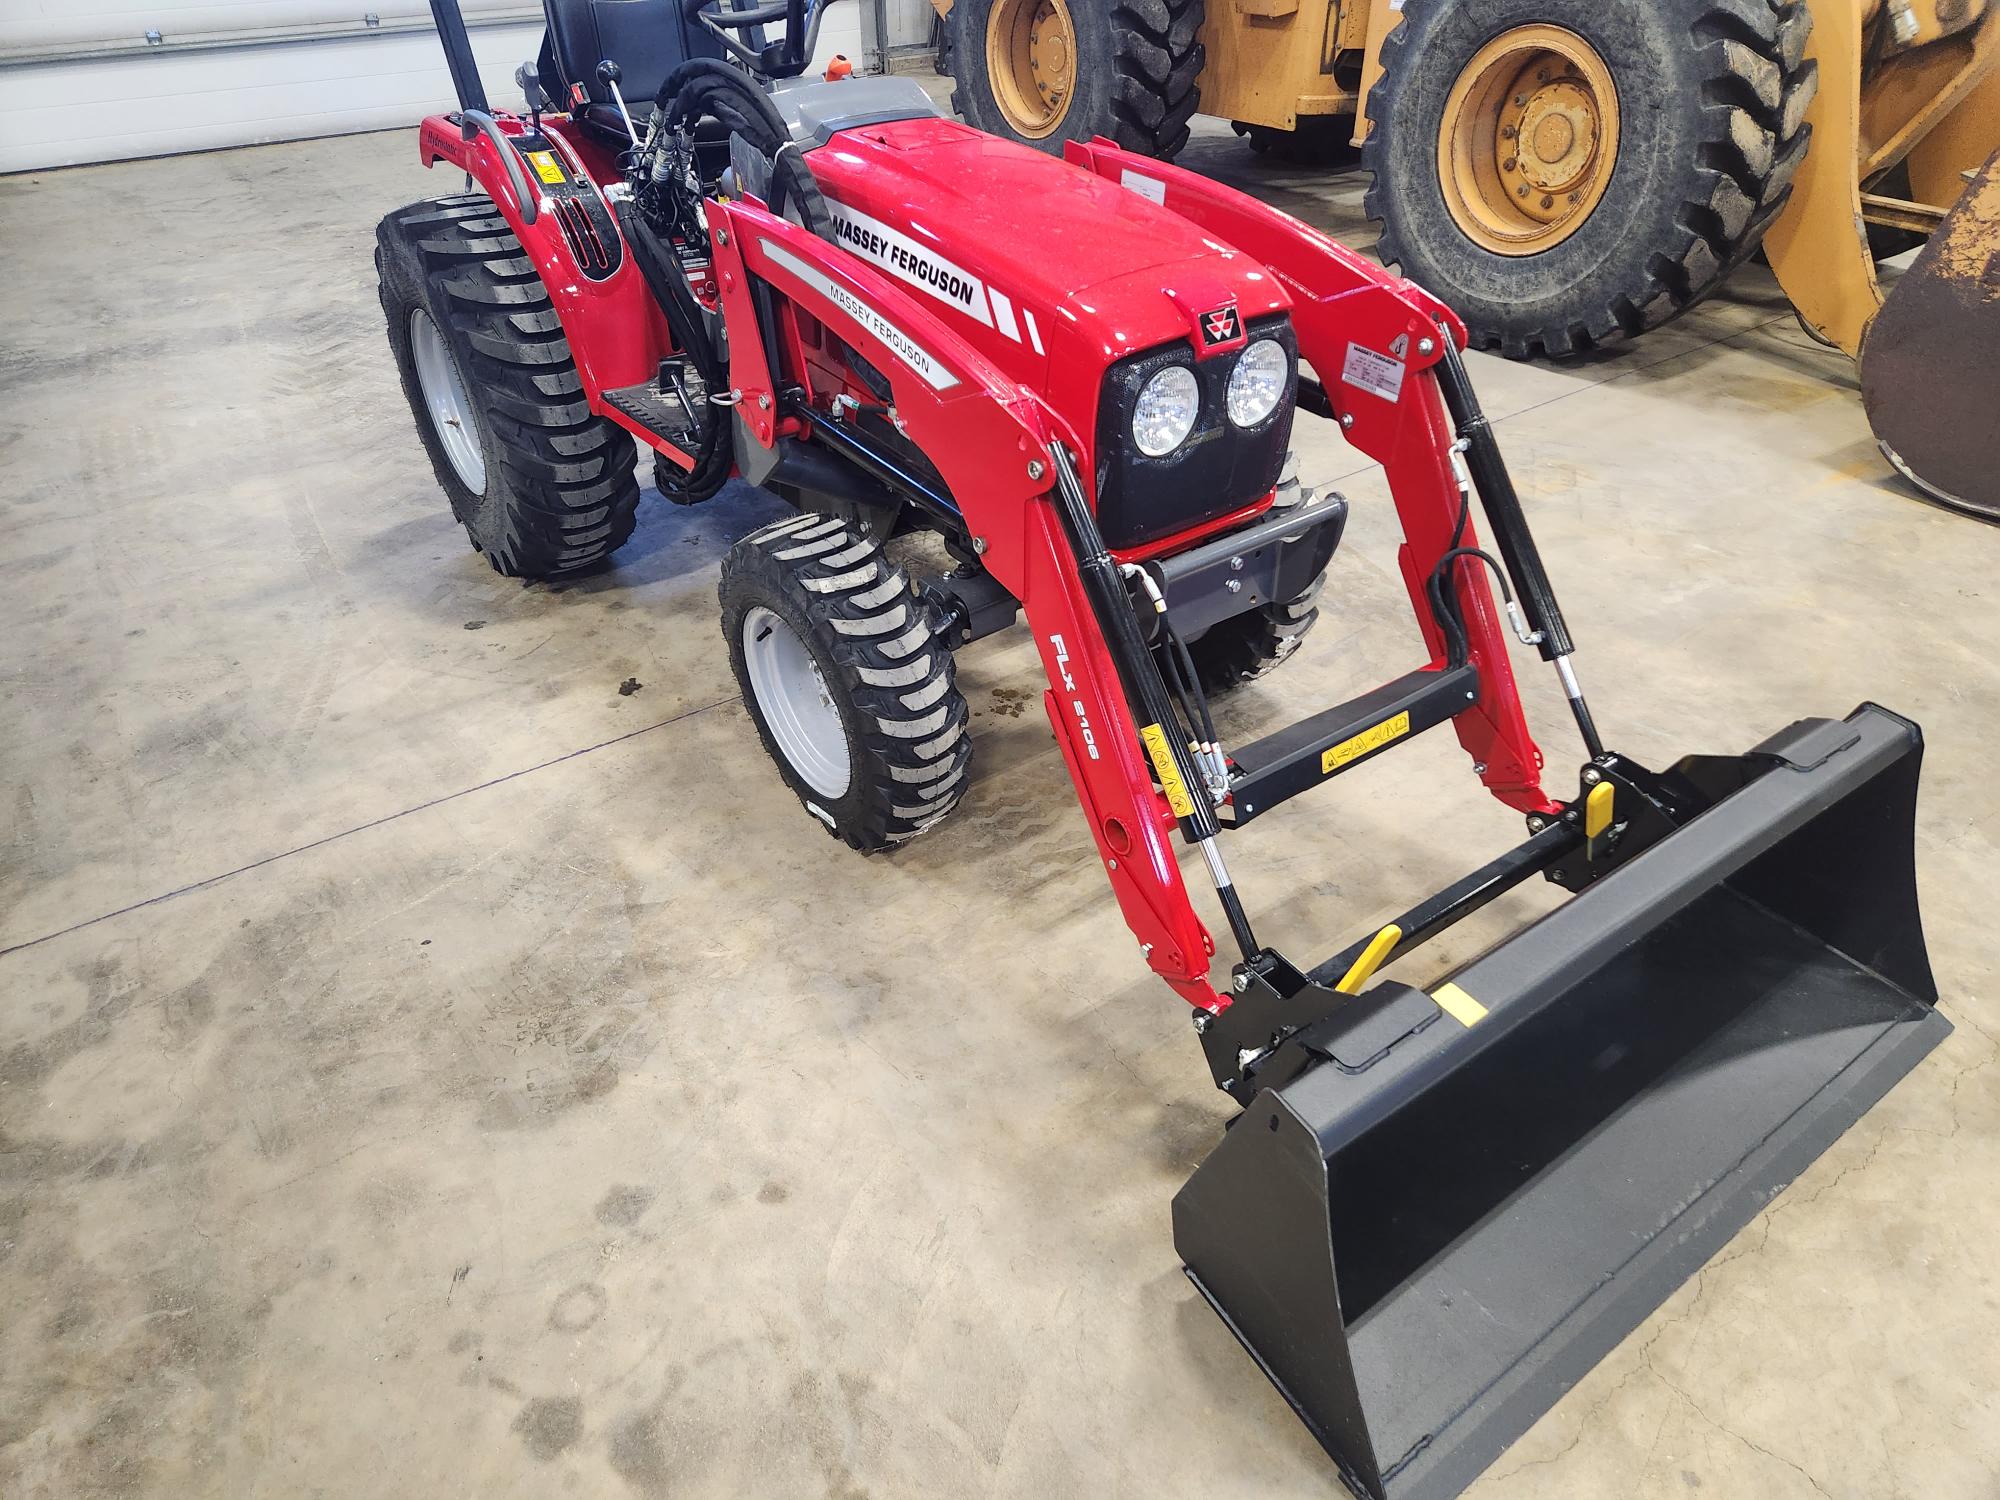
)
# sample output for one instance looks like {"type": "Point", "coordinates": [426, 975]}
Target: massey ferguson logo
{"type": "Point", "coordinates": [1221, 326]}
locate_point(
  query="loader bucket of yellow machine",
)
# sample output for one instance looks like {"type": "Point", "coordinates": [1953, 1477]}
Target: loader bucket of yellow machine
{"type": "Point", "coordinates": [1930, 362]}
{"type": "Point", "coordinates": [1426, 1237]}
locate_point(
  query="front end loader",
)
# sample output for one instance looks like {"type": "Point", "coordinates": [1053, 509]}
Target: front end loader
{"type": "Point", "coordinates": [1438, 1203]}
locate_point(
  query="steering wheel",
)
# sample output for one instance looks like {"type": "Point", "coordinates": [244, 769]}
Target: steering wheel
{"type": "Point", "coordinates": [784, 58]}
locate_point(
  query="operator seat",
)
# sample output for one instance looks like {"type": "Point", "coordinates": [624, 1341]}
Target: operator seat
{"type": "Point", "coordinates": [648, 39]}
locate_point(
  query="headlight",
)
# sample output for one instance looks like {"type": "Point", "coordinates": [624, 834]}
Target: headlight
{"type": "Point", "coordinates": [1164, 414]}
{"type": "Point", "coordinates": [1257, 384]}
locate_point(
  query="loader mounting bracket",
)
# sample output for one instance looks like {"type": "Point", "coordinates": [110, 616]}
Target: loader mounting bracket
{"type": "Point", "coordinates": [1282, 1023]}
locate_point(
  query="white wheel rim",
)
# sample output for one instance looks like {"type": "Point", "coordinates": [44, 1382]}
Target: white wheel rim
{"type": "Point", "coordinates": [797, 707]}
{"type": "Point", "coordinates": [445, 399]}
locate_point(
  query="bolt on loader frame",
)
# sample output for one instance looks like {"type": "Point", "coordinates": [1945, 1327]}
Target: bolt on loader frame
{"type": "Point", "coordinates": [1439, 1205]}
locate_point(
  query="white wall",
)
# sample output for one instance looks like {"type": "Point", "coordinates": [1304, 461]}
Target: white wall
{"type": "Point", "coordinates": [148, 103]}
{"type": "Point", "coordinates": [27, 26]}
{"type": "Point", "coordinates": [80, 83]}
{"type": "Point", "coordinates": [909, 22]}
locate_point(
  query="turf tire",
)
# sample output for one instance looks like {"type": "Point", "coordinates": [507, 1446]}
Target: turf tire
{"type": "Point", "coordinates": [560, 490]}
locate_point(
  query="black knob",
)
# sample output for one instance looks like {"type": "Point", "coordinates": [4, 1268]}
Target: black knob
{"type": "Point", "coordinates": [608, 72]}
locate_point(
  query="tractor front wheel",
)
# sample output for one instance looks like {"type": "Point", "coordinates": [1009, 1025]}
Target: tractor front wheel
{"type": "Point", "coordinates": [1565, 172]}
{"type": "Point", "coordinates": [849, 680]}
{"type": "Point", "coordinates": [1248, 645]}
{"type": "Point", "coordinates": [542, 487]}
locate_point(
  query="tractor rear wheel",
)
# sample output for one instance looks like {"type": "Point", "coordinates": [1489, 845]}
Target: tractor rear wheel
{"type": "Point", "coordinates": [849, 680]}
{"type": "Point", "coordinates": [1565, 172]}
{"type": "Point", "coordinates": [541, 486]}
{"type": "Point", "coordinates": [1043, 72]}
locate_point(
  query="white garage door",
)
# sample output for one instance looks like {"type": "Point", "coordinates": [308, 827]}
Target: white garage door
{"type": "Point", "coordinates": [101, 80]}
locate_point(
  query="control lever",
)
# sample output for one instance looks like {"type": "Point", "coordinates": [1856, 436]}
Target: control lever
{"type": "Point", "coordinates": [608, 74]}
{"type": "Point", "coordinates": [531, 84]}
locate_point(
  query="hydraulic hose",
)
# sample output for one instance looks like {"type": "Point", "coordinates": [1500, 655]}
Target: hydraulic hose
{"type": "Point", "coordinates": [697, 90]}
{"type": "Point", "coordinates": [705, 88]}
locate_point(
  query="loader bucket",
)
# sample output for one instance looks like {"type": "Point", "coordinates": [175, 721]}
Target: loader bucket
{"type": "Point", "coordinates": [1426, 1238]}
{"type": "Point", "coordinates": [1931, 359]}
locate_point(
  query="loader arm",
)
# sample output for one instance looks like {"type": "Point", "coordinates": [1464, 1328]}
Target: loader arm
{"type": "Point", "coordinates": [1375, 340]}
{"type": "Point", "coordinates": [989, 439]}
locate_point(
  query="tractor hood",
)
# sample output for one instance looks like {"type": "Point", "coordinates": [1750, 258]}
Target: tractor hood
{"type": "Point", "coordinates": [1052, 272]}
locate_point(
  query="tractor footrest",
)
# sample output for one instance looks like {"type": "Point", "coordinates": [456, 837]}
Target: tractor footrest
{"type": "Point", "coordinates": [1301, 756]}
{"type": "Point", "coordinates": [665, 412]}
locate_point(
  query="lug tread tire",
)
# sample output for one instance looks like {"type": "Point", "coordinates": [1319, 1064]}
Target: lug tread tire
{"type": "Point", "coordinates": [1139, 65]}
{"type": "Point", "coordinates": [1730, 118]}
{"type": "Point", "coordinates": [561, 491]}
{"type": "Point", "coordinates": [883, 657]}
{"type": "Point", "coordinates": [1246, 646]}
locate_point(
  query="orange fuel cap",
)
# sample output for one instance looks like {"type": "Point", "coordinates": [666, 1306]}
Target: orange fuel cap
{"type": "Point", "coordinates": [839, 68]}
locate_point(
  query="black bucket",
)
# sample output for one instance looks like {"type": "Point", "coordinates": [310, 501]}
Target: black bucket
{"type": "Point", "coordinates": [1426, 1247]}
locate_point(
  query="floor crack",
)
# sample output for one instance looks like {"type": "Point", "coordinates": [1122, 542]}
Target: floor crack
{"type": "Point", "coordinates": [331, 838]}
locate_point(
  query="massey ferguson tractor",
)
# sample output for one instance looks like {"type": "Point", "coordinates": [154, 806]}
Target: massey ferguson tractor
{"type": "Point", "coordinates": [1440, 1203]}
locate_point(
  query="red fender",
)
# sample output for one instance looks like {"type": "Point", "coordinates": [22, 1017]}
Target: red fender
{"type": "Point", "coordinates": [617, 333]}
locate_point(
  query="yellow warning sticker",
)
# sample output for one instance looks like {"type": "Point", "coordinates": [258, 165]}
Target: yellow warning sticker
{"type": "Point", "coordinates": [1169, 773]}
{"type": "Point", "coordinates": [1460, 1006]}
{"type": "Point", "coordinates": [546, 166]}
{"type": "Point", "coordinates": [1359, 745]}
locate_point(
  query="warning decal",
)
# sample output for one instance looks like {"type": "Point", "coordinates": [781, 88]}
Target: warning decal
{"type": "Point", "coordinates": [1162, 757]}
{"type": "Point", "coordinates": [1364, 743]}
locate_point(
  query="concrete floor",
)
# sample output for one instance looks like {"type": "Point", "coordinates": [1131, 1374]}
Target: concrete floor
{"type": "Point", "coordinates": [427, 1070]}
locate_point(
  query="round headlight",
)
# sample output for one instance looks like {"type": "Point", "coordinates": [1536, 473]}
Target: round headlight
{"type": "Point", "coordinates": [1257, 384]}
{"type": "Point", "coordinates": [1165, 412]}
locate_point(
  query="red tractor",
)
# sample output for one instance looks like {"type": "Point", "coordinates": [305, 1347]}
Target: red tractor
{"type": "Point", "coordinates": [1440, 1204]}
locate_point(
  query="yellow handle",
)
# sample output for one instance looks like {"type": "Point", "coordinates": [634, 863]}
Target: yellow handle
{"type": "Point", "coordinates": [1597, 810]}
{"type": "Point", "coordinates": [1371, 959]}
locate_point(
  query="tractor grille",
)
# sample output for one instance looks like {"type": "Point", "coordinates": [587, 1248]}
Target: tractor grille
{"type": "Point", "coordinates": [1221, 467]}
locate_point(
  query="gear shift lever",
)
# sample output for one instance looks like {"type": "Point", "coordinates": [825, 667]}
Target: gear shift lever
{"type": "Point", "coordinates": [608, 74]}
{"type": "Point", "coordinates": [531, 85]}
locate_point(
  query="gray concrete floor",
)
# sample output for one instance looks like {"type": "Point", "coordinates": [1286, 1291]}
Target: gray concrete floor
{"type": "Point", "coordinates": [425, 1070]}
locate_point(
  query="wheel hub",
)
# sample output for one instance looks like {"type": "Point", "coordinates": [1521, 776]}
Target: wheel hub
{"type": "Point", "coordinates": [797, 705]}
{"type": "Point", "coordinates": [1031, 60]}
{"type": "Point", "coordinates": [446, 401]}
{"type": "Point", "coordinates": [1528, 139]}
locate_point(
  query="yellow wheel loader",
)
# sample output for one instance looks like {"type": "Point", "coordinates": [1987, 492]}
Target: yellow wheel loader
{"type": "Point", "coordinates": [1567, 172]}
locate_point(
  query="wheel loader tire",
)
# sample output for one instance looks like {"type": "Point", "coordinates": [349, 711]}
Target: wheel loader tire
{"type": "Point", "coordinates": [1708, 100]}
{"type": "Point", "coordinates": [1132, 71]}
{"type": "Point", "coordinates": [1248, 645]}
{"type": "Point", "coordinates": [542, 487]}
{"type": "Point", "coordinates": [847, 677]}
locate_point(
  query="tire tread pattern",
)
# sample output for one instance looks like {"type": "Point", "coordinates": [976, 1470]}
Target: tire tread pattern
{"type": "Point", "coordinates": [1155, 58]}
{"type": "Point", "coordinates": [563, 495]}
{"type": "Point", "coordinates": [1758, 84]}
{"type": "Point", "coordinates": [893, 672]}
